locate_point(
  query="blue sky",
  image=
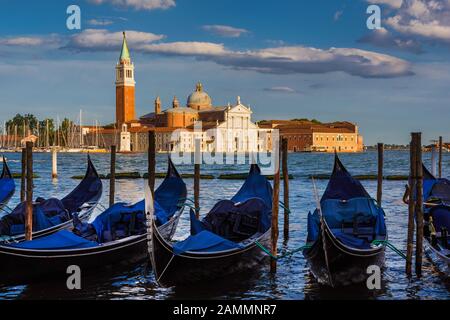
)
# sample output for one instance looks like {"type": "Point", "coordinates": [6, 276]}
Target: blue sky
{"type": "Point", "coordinates": [286, 59]}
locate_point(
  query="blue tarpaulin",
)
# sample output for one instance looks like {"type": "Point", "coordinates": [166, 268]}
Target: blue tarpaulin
{"type": "Point", "coordinates": [231, 221]}
{"type": "Point", "coordinates": [342, 185]}
{"type": "Point", "coordinates": [60, 240]}
{"type": "Point", "coordinates": [46, 213]}
{"type": "Point", "coordinates": [204, 241]}
{"type": "Point", "coordinates": [337, 212]}
{"type": "Point", "coordinates": [351, 240]}
{"type": "Point", "coordinates": [255, 186]}
{"type": "Point", "coordinates": [349, 211]}
{"type": "Point", "coordinates": [7, 187]}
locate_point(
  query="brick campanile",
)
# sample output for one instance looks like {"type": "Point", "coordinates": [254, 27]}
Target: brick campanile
{"type": "Point", "coordinates": [125, 108]}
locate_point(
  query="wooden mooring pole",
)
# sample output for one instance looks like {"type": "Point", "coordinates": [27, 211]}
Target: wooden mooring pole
{"type": "Point", "coordinates": [197, 161]}
{"type": "Point", "coordinates": [29, 193]}
{"type": "Point", "coordinates": [440, 157]}
{"type": "Point", "coordinates": [380, 173]}
{"type": "Point", "coordinates": [284, 144]}
{"type": "Point", "coordinates": [112, 177]}
{"type": "Point", "coordinates": [151, 160]}
{"type": "Point", "coordinates": [23, 175]}
{"type": "Point", "coordinates": [419, 205]}
{"type": "Point", "coordinates": [433, 161]}
{"type": "Point", "coordinates": [411, 205]}
{"type": "Point", "coordinates": [54, 163]}
{"type": "Point", "coordinates": [275, 208]}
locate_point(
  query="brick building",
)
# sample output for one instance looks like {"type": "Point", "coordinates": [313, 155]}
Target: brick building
{"type": "Point", "coordinates": [307, 136]}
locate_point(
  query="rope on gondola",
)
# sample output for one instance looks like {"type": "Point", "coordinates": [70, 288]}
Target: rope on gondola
{"type": "Point", "coordinates": [390, 246]}
{"type": "Point", "coordinates": [2, 209]}
{"type": "Point", "coordinates": [282, 205]}
{"type": "Point", "coordinates": [102, 206]}
{"type": "Point", "coordinates": [287, 254]}
{"type": "Point", "coordinates": [188, 199]}
{"type": "Point", "coordinates": [189, 206]}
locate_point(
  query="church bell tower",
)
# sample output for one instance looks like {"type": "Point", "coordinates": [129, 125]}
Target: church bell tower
{"type": "Point", "coordinates": [125, 108]}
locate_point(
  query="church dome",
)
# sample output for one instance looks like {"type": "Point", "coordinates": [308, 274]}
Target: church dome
{"type": "Point", "coordinates": [199, 99]}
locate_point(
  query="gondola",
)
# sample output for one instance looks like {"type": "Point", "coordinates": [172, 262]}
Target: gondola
{"type": "Point", "coordinates": [342, 230]}
{"type": "Point", "coordinates": [7, 185]}
{"type": "Point", "coordinates": [436, 194]}
{"type": "Point", "coordinates": [115, 237]}
{"type": "Point", "coordinates": [222, 243]}
{"type": "Point", "coordinates": [52, 215]}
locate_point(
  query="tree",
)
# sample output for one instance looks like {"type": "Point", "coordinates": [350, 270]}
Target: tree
{"type": "Point", "coordinates": [26, 124]}
{"type": "Point", "coordinates": [65, 131]}
{"type": "Point", "coordinates": [47, 132]}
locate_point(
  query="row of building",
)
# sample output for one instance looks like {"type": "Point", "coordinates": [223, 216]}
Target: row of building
{"type": "Point", "coordinates": [223, 128]}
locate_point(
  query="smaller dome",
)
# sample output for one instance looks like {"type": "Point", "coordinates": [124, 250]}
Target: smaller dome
{"type": "Point", "coordinates": [199, 99]}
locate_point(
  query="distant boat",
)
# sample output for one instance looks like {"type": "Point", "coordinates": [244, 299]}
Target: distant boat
{"type": "Point", "coordinates": [342, 230]}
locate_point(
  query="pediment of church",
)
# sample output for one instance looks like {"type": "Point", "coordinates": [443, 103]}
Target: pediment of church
{"type": "Point", "coordinates": [240, 108]}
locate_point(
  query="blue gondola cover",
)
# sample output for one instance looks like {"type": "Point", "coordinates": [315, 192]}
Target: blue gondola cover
{"type": "Point", "coordinates": [204, 241]}
{"type": "Point", "coordinates": [231, 221]}
{"type": "Point", "coordinates": [60, 240]}
{"type": "Point", "coordinates": [7, 187]}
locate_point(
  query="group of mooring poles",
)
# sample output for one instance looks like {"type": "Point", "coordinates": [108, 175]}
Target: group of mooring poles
{"type": "Point", "coordinates": [283, 154]}
{"type": "Point", "coordinates": [415, 201]}
{"type": "Point", "coordinates": [281, 164]}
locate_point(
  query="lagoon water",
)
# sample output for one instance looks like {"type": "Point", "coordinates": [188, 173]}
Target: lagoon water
{"type": "Point", "coordinates": [293, 279]}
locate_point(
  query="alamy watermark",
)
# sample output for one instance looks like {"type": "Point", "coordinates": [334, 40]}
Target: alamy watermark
{"type": "Point", "coordinates": [74, 280]}
{"type": "Point", "coordinates": [374, 20]}
{"type": "Point", "coordinates": [374, 280]}
{"type": "Point", "coordinates": [73, 22]}
{"type": "Point", "coordinates": [225, 146]}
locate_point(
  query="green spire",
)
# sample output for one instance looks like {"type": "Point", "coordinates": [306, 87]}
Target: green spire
{"type": "Point", "coordinates": [124, 54]}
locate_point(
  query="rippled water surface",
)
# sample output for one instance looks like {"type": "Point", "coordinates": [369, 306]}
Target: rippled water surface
{"type": "Point", "coordinates": [292, 281]}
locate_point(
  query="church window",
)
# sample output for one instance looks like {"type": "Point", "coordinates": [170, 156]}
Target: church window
{"type": "Point", "coordinates": [121, 74]}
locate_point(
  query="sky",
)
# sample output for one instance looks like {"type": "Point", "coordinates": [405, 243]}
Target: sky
{"type": "Point", "coordinates": [285, 59]}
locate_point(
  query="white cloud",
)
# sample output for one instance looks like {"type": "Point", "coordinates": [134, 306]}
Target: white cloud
{"type": "Point", "coordinates": [31, 41]}
{"type": "Point", "coordinates": [391, 3]}
{"type": "Point", "coordinates": [101, 39]}
{"type": "Point", "coordinates": [273, 60]}
{"type": "Point", "coordinates": [428, 19]}
{"type": "Point", "coordinates": [100, 22]}
{"type": "Point", "coordinates": [225, 31]}
{"type": "Point", "coordinates": [281, 90]}
{"type": "Point", "coordinates": [185, 48]}
{"type": "Point", "coordinates": [385, 39]}
{"type": "Point", "coordinates": [290, 60]}
{"type": "Point", "coordinates": [139, 4]}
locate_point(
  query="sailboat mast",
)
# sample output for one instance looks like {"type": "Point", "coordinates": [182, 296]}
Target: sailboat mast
{"type": "Point", "coordinates": [81, 129]}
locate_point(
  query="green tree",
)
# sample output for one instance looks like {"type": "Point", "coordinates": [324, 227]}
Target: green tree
{"type": "Point", "coordinates": [47, 132]}
{"type": "Point", "coordinates": [65, 132]}
{"type": "Point", "coordinates": [26, 124]}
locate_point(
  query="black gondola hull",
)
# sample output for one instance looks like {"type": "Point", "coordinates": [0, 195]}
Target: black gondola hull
{"type": "Point", "coordinates": [188, 268]}
{"type": "Point", "coordinates": [22, 266]}
{"type": "Point", "coordinates": [338, 265]}
{"type": "Point", "coordinates": [440, 259]}
{"type": "Point", "coordinates": [84, 211]}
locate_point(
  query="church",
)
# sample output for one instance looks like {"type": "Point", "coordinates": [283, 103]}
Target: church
{"type": "Point", "coordinates": [219, 128]}
{"type": "Point", "coordinates": [226, 128]}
